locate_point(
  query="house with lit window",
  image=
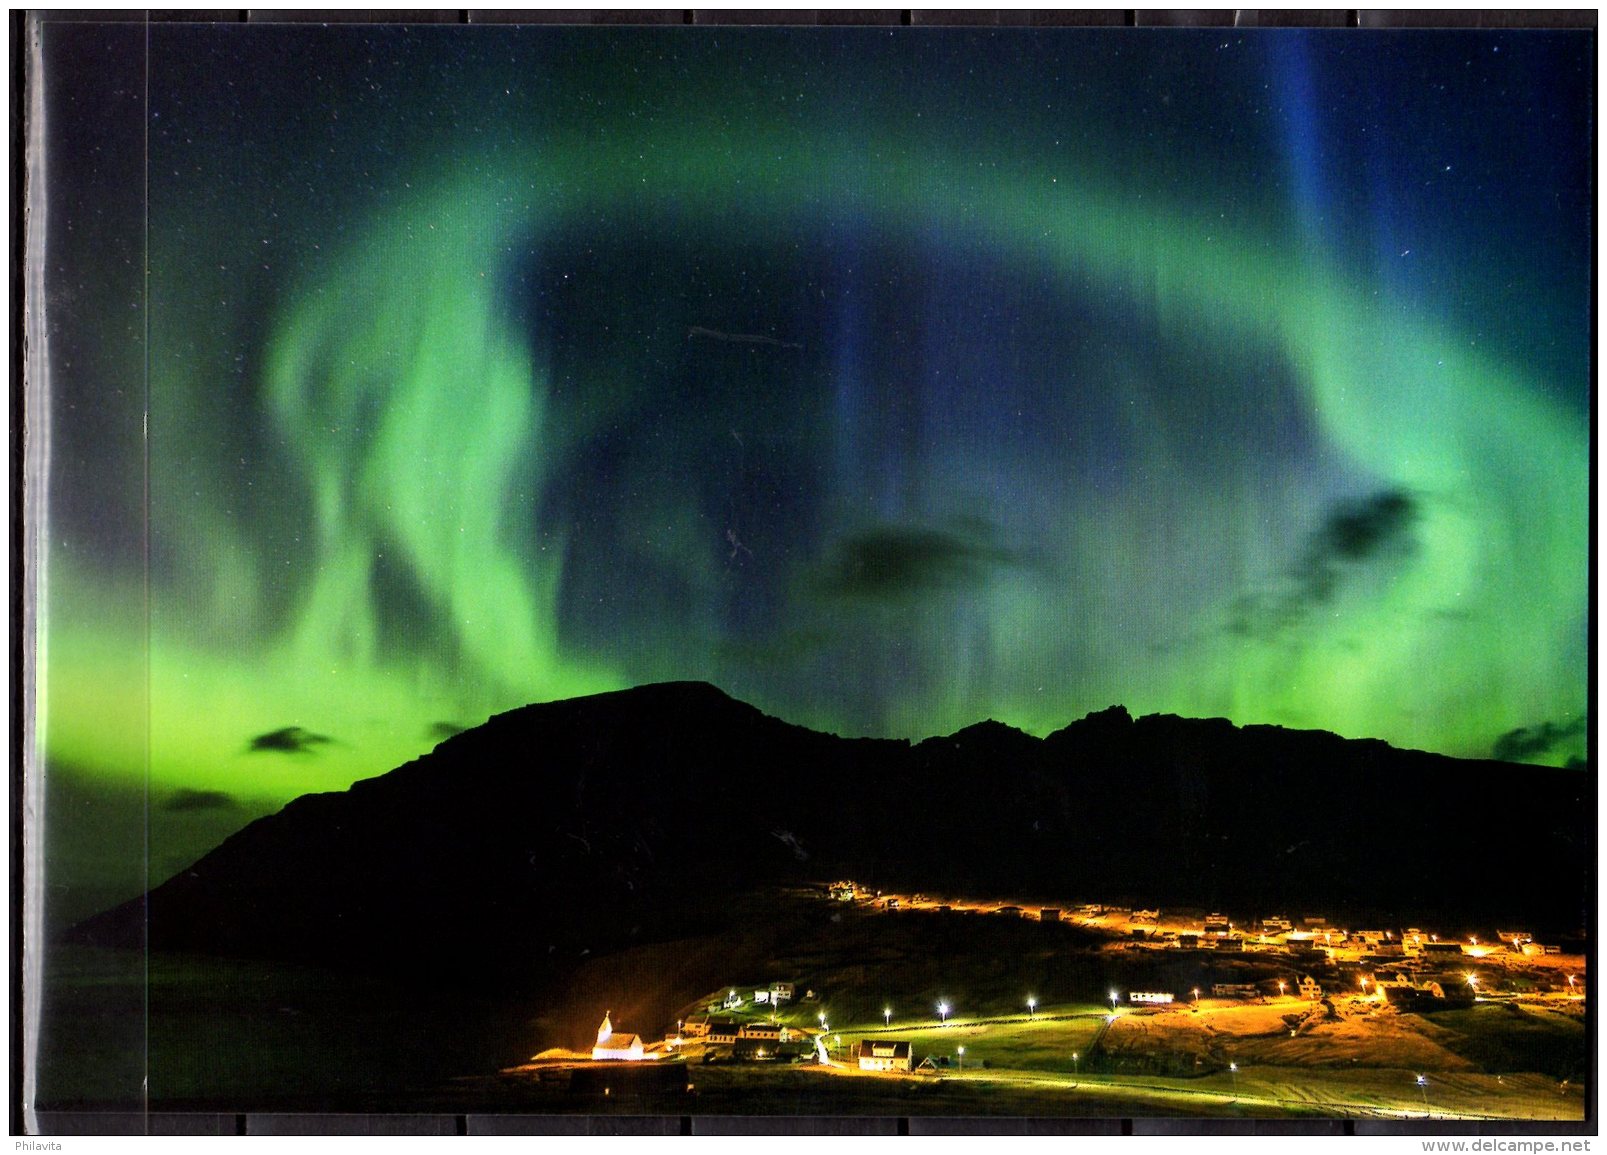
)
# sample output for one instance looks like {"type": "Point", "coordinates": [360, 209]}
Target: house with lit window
{"type": "Point", "coordinates": [884, 1055]}
{"type": "Point", "coordinates": [615, 1045]}
{"type": "Point", "coordinates": [1310, 988]}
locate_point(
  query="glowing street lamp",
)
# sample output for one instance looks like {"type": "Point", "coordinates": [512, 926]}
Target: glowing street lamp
{"type": "Point", "coordinates": [1233, 1073]}
{"type": "Point", "coordinates": [1075, 1062]}
{"type": "Point", "coordinates": [1473, 980]}
{"type": "Point", "coordinates": [1113, 997]}
{"type": "Point", "coordinates": [887, 1016]}
{"type": "Point", "coordinates": [943, 1012]}
{"type": "Point", "coordinates": [1196, 996]}
{"type": "Point", "coordinates": [961, 1052]}
{"type": "Point", "coordinates": [822, 1018]}
{"type": "Point", "coordinates": [1422, 1085]}
{"type": "Point", "coordinates": [1282, 986]}
{"type": "Point", "coordinates": [1364, 984]}
{"type": "Point", "coordinates": [1032, 1007]}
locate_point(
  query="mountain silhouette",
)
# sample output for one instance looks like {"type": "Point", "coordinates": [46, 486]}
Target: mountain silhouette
{"type": "Point", "coordinates": [577, 827]}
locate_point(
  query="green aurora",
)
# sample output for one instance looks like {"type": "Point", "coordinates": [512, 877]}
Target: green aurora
{"type": "Point", "coordinates": [412, 429]}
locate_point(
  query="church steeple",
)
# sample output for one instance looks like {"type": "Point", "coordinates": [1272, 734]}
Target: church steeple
{"type": "Point", "coordinates": [604, 1031]}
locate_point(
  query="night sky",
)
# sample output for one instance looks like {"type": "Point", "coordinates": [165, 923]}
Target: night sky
{"type": "Point", "coordinates": [891, 380]}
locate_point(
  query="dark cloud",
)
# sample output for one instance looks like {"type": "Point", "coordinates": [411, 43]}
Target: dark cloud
{"type": "Point", "coordinates": [289, 740]}
{"type": "Point", "coordinates": [891, 563]}
{"type": "Point", "coordinates": [441, 731]}
{"type": "Point", "coordinates": [1532, 741]}
{"type": "Point", "coordinates": [1354, 534]}
{"type": "Point", "coordinates": [185, 799]}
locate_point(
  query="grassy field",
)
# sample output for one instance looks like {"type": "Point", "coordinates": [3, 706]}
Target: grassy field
{"type": "Point", "coordinates": [1044, 1043]}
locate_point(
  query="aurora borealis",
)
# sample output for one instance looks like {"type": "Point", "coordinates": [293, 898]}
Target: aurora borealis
{"type": "Point", "coordinates": [889, 379]}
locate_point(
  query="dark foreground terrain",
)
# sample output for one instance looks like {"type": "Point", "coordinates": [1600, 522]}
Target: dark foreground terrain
{"type": "Point", "coordinates": [563, 831]}
{"type": "Point", "coordinates": [250, 1036]}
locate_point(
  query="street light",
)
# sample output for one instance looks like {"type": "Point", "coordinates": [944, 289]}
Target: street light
{"type": "Point", "coordinates": [1032, 1007]}
{"type": "Point", "coordinates": [887, 1016]}
{"type": "Point", "coordinates": [1422, 1085]}
{"type": "Point", "coordinates": [1075, 1062]}
{"type": "Point", "coordinates": [1113, 997]}
{"type": "Point", "coordinates": [943, 1012]}
{"type": "Point", "coordinates": [962, 1058]}
{"type": "Point", "coordinates": [1233, 1073]}
{"type": "Point", "coordinates": [1282, 986]}
{"type": "Point", "coordinates": [1196, 996]}
{"type": "Point", "coordinates": [1364, 984]}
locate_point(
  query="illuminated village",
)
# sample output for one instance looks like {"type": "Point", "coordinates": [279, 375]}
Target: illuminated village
{"type": "Point", "coordinates": [1277, 1014]}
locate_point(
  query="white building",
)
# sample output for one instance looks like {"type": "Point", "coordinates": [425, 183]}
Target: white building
{"type": "Point", "coordinates": [1149, 996]}
{"type": "Point", "coordinates": [616, 1046]}
{"type": "Point", "coordinates": [880, 1055]}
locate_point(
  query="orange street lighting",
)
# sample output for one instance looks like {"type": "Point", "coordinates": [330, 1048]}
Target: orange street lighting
{"type": "Point", "coordinates": [1364, 984]}
{"type": "Point", "coordinates": [1196, 996]}
{"type": "Point", "coordinates": [1282, 986]}
{"type": "Point", "coordinates": [1473, 980]}
{"type": "Point", "coordinates": [1473, 940]}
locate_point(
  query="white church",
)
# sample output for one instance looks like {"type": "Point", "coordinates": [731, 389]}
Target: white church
{"type": "Point", "coordinates": [616, 1046]}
